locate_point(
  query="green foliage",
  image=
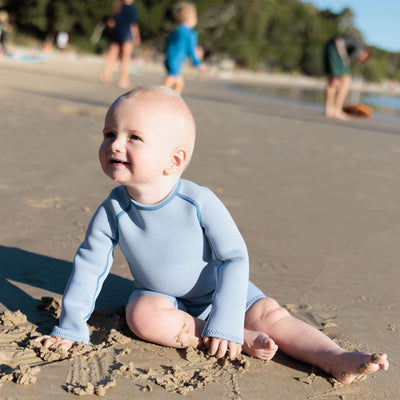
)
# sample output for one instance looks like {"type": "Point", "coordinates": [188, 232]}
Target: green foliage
{"type": "Point", "coordinates": [279, 35]}
{"type": "Point", "coordinates": [43, 18]}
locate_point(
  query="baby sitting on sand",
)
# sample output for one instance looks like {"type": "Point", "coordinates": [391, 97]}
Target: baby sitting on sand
{"type": "Point", "coordinates": [185, 252]}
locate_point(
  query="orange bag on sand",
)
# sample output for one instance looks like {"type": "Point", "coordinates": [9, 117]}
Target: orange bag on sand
{"type": "Point", "coordinates": [360, 110]}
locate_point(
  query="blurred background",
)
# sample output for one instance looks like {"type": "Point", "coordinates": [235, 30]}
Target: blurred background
{"type": "Point", "coordinates": [269, 35]}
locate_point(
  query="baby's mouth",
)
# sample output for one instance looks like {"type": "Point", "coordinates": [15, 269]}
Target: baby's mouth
{"type": "Point", "coordinates": [116, 162]}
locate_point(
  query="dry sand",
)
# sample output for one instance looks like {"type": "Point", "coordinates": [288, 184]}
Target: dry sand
{"type": "Point", "coordinates": [317, 201]}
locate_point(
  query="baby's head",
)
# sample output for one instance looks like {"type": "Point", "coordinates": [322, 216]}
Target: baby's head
{"type": "Point", "coordinates": [186, 13]}
{"type": "Point", "coordinates": [149, 136]}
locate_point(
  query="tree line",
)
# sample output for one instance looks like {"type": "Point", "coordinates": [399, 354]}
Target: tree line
{"type": "Point", "coordinates": [274, 35]}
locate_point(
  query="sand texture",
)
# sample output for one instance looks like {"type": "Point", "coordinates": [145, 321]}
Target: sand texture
{"type": "Point", "coordinates": [317, 201]}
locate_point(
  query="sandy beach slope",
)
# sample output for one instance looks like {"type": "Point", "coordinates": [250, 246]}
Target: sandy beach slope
{"type": "Point", "coordinates": [316, 200]}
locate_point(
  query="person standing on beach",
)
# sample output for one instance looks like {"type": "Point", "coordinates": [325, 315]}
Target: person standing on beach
{"type": "Point", "coordinates": [4, 30]}
{"type": "Point", "coordinates": [339, 52]}
{"type": "Point", "coordinates": [189, 261]}
{"type": "Point", "coordinates": [181, 44]}
{"type": "Point", "coordinates": [125, 35]}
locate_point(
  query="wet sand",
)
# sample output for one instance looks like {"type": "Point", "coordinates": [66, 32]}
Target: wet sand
{"type": "Point", "coordinates": [317, 201]}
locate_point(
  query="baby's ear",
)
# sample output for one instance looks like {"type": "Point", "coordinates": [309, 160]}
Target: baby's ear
{"type": "Point", "coordinates": [176, 162]}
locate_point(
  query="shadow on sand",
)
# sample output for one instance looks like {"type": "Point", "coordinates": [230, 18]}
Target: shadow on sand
{"type": "Point", "coordinates": [23, 272]}
{"type": "Point", "coordinates": [22, 269]}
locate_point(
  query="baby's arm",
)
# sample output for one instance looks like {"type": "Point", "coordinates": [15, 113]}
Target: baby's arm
{"type": "Point", "coordinates": [91, 266]}
{"type": "Point", "coordinates": [226, 320]}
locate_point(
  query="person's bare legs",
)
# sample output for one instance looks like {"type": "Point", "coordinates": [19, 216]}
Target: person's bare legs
{"type": "Point", "coordinates": [169, 81]}
{"type": "Point", "coordinates": [176, 83]}
{"type": "Point", "coordinates": [306, 343]}
{"type": "Point", "coordinates": [179, 84]}
{"type": "Point", "coordinates": [336, 92]}
{"type": "Point", "coordinates": [111, 62]}
{"type": "Point", "coordinates": [343, 89]}
{"type": "Point", "coordinates": [330, 96]}
{"type": "Point", "coordinates": [126, 55]}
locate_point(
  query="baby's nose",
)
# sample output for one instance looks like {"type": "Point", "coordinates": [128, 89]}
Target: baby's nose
{"type": "Point", "coordinates": [117, 145]}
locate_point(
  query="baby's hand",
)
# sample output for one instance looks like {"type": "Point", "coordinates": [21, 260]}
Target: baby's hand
{"type": "Point", "coordinates": [55, 342]}
{"type": "Point", "coordinates": [218, 347]}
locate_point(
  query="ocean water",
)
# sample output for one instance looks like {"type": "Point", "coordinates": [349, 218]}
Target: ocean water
{"type": "Point", "coordinates": [384, 106]}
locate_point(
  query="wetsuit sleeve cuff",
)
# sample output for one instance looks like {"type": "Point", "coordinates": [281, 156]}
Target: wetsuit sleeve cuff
{"type": "Point", "coordinates": [65, 334]}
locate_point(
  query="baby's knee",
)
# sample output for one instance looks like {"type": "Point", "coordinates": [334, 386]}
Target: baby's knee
{"type": "Point", "coordinates": [268, 309]}
{"type": "Point", "coordinates": [141, 315]}
{"type": "Point", "coordinates": [135, 315]}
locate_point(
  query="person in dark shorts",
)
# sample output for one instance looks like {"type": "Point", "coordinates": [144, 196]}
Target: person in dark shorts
{"type": "Point", "coordinates": [124, 36]}
{"type": "Point", "coordinates": [339, 52]}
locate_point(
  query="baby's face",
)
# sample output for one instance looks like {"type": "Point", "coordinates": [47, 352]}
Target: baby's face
{"type": "Point", "coordinates": [138, 139]}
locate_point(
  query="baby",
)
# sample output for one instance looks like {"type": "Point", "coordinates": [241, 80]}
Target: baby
{"type": "Point", "coordinates": [185, 252]}
{"type": "Point", "coordinates": [181, 44]}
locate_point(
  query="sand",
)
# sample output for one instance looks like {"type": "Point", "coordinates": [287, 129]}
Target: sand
{"type": "Point", "coordinates": [317, 201]}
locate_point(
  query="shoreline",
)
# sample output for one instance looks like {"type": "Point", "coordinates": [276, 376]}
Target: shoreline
{"type": "Point", "coordinates": [52, 61]}
{"type": "Point", "coordinates": [142, 64]}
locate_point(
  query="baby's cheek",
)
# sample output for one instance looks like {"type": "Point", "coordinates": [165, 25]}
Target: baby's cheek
{"type": "Point", "coordinates": [102, 159]}
{"type": "Point", "coordinates": [102, 153]}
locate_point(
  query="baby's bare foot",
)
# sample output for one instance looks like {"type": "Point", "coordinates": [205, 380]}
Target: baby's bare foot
{"type": "Point", "coordinates": [259, 345]}
{"type": "Point", "coordinates": [354, 365]}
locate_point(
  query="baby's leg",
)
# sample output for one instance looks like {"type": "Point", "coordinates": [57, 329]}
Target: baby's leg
{"type": "Point", "coordinates": [306, 343]}
{"type": "Point", "coordinates": [169, 81]}
{"type": "Point", "coordinates": [176, 83]}
{"type": "Point", "coordinates": [154, 318]}
{"type": "Point", "coordinates": [179, 84]}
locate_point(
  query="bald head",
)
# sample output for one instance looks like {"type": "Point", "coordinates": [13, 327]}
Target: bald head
{"type": "Point", "coordinates": [164, 101]}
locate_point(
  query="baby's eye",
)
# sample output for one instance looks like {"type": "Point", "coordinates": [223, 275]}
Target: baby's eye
{"type": "Point", "coordinates": [134, 137]}
{"type": "Point", "coordinates": [109, 135]}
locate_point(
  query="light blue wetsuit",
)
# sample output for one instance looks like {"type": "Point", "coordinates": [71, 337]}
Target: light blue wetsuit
{"type": "Point", "coordinates": [187, 248]}
{"type": "Point", "coordinates": [181, 44]}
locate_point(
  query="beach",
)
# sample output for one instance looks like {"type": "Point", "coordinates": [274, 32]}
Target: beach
{"type": "Point", "coordinates": [316, 200]}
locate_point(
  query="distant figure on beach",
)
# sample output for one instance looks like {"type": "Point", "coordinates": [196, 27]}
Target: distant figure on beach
{"type": "Point", "coordinates": [187, 256]}
{"type": "Point", "coordinates": [62, 40]}
{"type": "Point", "coordinates": [181, 44]}
{"type": "Point", "coordinates": [5, 28]}
{"type": "Point", "coordinates": [125, 35]}
{"type": "Point", "coordinates": [339, 52]}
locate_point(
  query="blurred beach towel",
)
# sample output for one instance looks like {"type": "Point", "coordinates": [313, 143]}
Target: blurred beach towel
{"type": "Point", "coordinates": [359, 110]}
{"type": "Point", "coordinates": [20, 55]}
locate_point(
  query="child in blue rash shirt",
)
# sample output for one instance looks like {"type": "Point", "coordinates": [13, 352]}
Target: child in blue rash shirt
{"type": "Point", "coordinates": [185, 252]}
{"type": "Point", "coordinates": [181, 44]}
